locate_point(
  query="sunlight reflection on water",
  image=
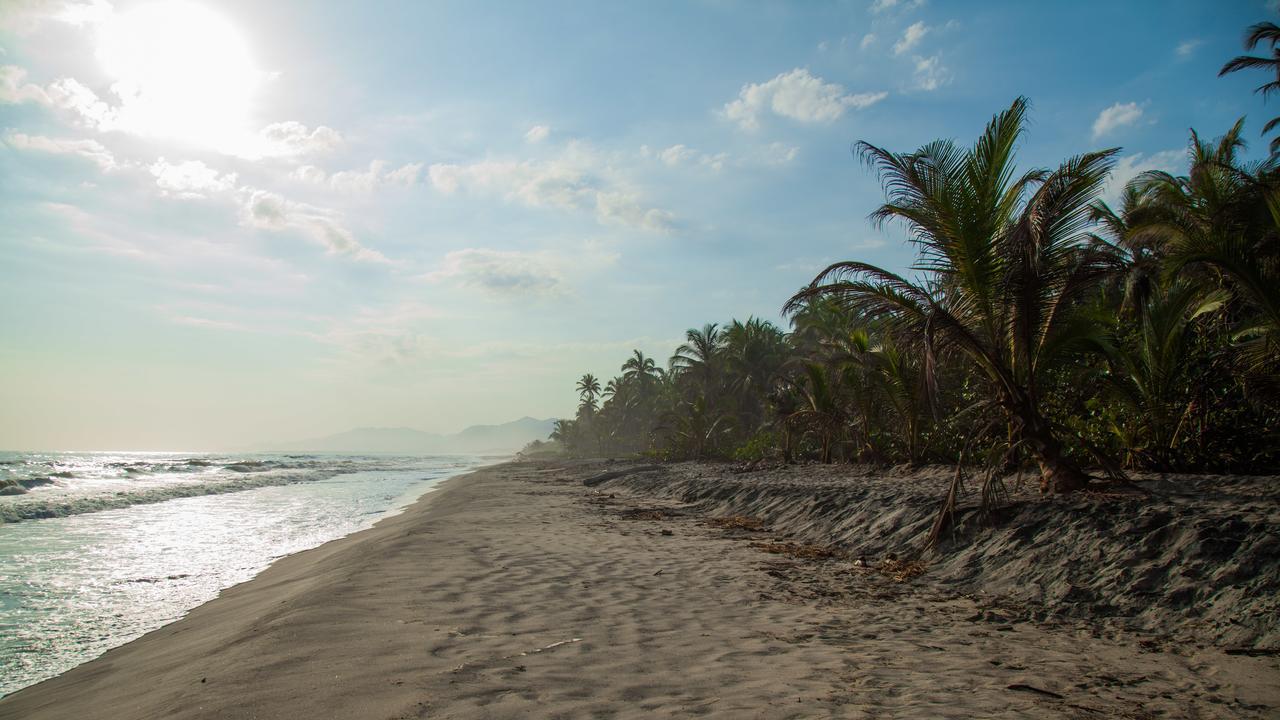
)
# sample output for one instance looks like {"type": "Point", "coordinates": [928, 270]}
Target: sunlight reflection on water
{"type": "Point", "coordinates": [73, 587]}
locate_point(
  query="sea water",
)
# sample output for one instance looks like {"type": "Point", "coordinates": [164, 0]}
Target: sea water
{"type": "Point", "coordinates": [97, 549]}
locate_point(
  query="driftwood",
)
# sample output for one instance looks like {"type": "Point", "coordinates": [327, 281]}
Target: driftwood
{"type": "Point", "coordinates": [612, 474]}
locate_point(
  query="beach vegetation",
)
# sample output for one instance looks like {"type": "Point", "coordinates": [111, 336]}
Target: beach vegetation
{"type": "Point", "coordinates": [1040, 328]}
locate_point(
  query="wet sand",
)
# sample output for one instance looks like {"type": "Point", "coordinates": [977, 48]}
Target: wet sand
{"type": "Point", "coordinates": [517, 592]}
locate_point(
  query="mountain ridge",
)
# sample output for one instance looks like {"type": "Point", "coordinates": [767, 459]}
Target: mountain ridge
{"type": "Point", "coordinates": [504, 437]}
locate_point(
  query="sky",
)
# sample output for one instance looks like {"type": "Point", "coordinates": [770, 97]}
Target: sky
{"type": "Point", "coordinates": [227, 222]}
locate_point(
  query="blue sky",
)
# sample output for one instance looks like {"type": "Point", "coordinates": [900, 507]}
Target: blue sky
{"type": "Point", "coordinates": [230, 221]}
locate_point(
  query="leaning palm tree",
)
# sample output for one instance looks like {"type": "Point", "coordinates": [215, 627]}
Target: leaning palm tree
{"type": "Point", "coordinates": [1008, 261]}
{"type": "Point", "coordinates": [1263, 32]}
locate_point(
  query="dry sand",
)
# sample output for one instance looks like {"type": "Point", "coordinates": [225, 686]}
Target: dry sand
{"type": "Point", "coordinates": [517, 592]}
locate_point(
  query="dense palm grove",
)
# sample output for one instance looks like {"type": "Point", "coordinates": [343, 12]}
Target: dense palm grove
{"type": "Point", "coordinates": [1040, 327]}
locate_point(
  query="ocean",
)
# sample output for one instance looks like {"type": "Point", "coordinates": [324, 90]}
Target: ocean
{"type": "Point", "coordinates": [97, 549]}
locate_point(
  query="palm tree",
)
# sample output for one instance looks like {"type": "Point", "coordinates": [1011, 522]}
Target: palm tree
{"type": "Point", "coordinates": [1149, 376]}
{"type": "Point", "coordinates": [1263, 32]}
{"type": "Point", "coordinates": [820, 411]}
{"type": "Point", "coordinates": [588, 389]}
{"type": "Point", "coordinates": [641, 369]}
{"type": "Point", "coordinates": [1221, 222]}
{"type": "Point", "coordinates": [1009, 264]}
{"type": "Point", "coordinates": [699, 352]}
{"type": "Point", "coordinates": [1137, 254]}
{"type": "Point", "coordinates": [563, 432]}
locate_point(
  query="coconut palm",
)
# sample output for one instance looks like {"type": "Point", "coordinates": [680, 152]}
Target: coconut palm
{"type": "Point", "coordinates": [1149, 375]}
{"type": "Point", "coordinates": [588, 389]}
{"type": "Point", "coordinates": [641, 369]}
{"type": "Point", "coordinates": [1007, 260]}
{"type": "Point", "coordinates": [1221, 224]}
{"type": "Point", "coordinates": [1260, 34]}
{"type": "Point", "coordinates": [820, 412]}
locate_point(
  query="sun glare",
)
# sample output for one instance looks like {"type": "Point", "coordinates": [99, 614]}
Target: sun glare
{"type": "Point", "coordinates": [182, 72]}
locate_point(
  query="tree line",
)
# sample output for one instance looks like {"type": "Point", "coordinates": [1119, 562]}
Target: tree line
{"type": "Point", "coordinates": [1039, 327]}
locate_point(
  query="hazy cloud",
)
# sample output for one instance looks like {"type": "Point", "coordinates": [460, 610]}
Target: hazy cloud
{"type": "Point", "coordinates": [930, 73]}
{"type": "Point", "coordinates": [293, 139]}
{"type": "Point", "coordinates": [501, 272]}
{"type": "Point", "coordinates": [364, 180]}
{"type": "Point", "coordinates": [88, 149]}
{"type": "Point", "coordinates": [309, 174]}
{"type": "Point", "coordinates": [1118, 115]}
{"type": "Point", "coordinates": [269, 211]}
{"type": "Point", "coordinates": [1187, 47]}
{"type": "Point", "coordinates": [677, 155]}
{"type": "Point", "coordinates": [15, 90]}
{"type": "Point", "coordinates": [64, 94]}
{"type": "Point", "coordinates": [910, 37]}
{"type": "Point", "coordinates": [867, 41]}
{"type": "Point", "coordinates": [559, 184]}
{"type": "Point", "coordinates": [537, 134]}
{"type": "Point", "coordinates": [797, 95]}
{"type": "Point", "coordinates": [880, 6]}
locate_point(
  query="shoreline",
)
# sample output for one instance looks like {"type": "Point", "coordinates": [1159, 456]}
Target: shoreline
{"type": "Point", "coordinates": [490, 595]}
{"type": "Point", "coordinates": [281, 565]}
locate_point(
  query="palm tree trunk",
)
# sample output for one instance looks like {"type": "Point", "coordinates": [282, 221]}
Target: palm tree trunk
{"type": "Point", "coordinates": [1058, 474]}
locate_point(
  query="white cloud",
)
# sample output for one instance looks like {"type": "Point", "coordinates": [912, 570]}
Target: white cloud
{"type": "Point", "coordinates": [70, 94]}
{"type": "Point", "coordinates": [564, 184]}
{"type": "Point", "coordinates": [796, 95]}
{"type": "Point", "coordinates": [89, 149]}
{"type": "Point", "coordinates": [930, 73]}
{"type": "Point", "coordinates": [880, 6]}
{"type": "Point", "coordinates": [537, 134]}
{"type": "Point", "coordinates": [269, 211]}
{"type": "Point", "coordinates": [910, 37]}
{"type": "Point", "coordinates": [25, 15]}
{"type": "Point", "coordinates": [622, 208]}
{"type": "Point", "coordinates": [1118, 115]}
{"type": "Point", "coordinates": [867, 41]}
{"type": "Point", "coordinates": [282, 139]}
{"type": "Point", "coordinates": [683, 155]}
{"type": "Point", "coordinates": [1187, 47]}
{"type": "Point", "coordinates": [84, 13]}
{"type": "Point", "coordinates": [14, 90]}
{"type": "Point", "coordinates": [404, 175]}
{"type": "Point", "coordinates": [780, 154]}
{"type": "Point", "coordinates": [190, 179]}
{"type": "Point", "coordinates": [502, 272]}
{"type": "Point", "coordinates": [293, 139]}
{"type": "Point", "coordinates": [1131, 166]}
{"type": "Point", "coordinates": [309, 174]}
{"type": "Point", "coordinates": [358, 180]}
{"type": "Point", "coordinates": [677, 154]}
{"type": "Point", "coordinates": [377, 175]}
{"type": "Point", "coordinates": [64, 94]}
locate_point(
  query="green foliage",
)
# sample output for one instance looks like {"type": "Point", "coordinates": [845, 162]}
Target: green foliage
{"type": "Point", "coordinates": [1041, 326]}
{"type": "Point", "coordinates": [761, 446]}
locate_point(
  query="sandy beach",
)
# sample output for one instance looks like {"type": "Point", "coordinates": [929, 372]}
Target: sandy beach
{"type": "Point", "coordinates": [518, 592]}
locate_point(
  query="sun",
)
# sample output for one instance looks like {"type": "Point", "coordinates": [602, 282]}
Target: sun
{"type": "Point", "coordinates": [181, 71]}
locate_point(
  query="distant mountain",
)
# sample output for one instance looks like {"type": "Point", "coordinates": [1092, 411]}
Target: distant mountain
{"type": "Point", "coordinates": [508, 437]}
